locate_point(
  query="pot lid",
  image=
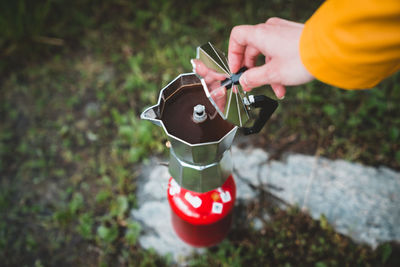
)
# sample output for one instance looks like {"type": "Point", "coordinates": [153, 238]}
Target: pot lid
{"type": "Point", "coordinates": [227, 96]}
{"type": "Point", "coordinates": [222, 88]}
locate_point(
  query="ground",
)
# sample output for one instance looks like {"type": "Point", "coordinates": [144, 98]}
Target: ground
{"type": "Point", "coordinates": [74, 77]}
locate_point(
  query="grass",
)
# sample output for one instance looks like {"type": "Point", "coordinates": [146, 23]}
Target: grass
{"type": "Point", "coordinates": [75, 76]}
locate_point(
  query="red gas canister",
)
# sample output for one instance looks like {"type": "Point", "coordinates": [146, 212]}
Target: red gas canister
{"type": "Point", "coordinates": [202, 219]}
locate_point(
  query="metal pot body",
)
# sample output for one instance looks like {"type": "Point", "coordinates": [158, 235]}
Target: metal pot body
{"type": "Point", "coordinates": [197, 166]}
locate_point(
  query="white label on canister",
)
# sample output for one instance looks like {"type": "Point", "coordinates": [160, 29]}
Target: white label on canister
{"type": "Point", "coordinates": [225, 196]}
{"type": "Point", "coordinates": [194, 201]}
{"type": "Point", "coordinates": [217, 208]}
{"type": "Point", "coordinates": [174, 188]}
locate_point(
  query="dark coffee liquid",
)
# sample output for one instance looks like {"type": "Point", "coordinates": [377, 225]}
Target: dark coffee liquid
{"type": "Point", "coordinates": [177, 117]}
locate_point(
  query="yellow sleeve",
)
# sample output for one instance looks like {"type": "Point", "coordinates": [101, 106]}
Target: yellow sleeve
{"type": "Point", "coordinates": [352, 44]}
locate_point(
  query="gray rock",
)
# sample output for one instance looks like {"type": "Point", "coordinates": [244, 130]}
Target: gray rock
{"type": "Point", "coordinates": [155, 215]}
{"type": "Point", "coordinates": [257, 224]}
{"type": "Point", "coordinates": [359, 201]}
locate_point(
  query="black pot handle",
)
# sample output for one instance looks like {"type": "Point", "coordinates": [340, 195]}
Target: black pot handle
{"type": "Point", "coordinates": [268, 106]}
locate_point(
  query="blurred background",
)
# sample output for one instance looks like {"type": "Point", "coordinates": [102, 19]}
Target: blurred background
{"type": "Point", "coordinates": [74, 77]}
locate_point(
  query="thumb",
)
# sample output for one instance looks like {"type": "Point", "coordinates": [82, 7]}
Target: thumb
{"type": "Point", "coordinates": [258, 76]}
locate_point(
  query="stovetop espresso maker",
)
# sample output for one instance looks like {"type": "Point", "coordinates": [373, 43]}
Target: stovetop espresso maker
{"type": "Point", "coordinates": [200, 114]}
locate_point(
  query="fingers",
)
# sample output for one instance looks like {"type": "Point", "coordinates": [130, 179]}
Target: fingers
{"type": "Point", "coordinates": [277, 40]}
{"type": "Point", "coordinates": [257, 76]}
{"type": "Point", "coordinates": [261, 76]}
{"type": "Point", "coordinates": [250, 56]}
{"type": "Point", "coordinates": [279, 90]}
{"type": "Point", "coordinates": [199, 67]}
{"type": "Point", "coordinates": [208, 74]}
{"type": "Point", "coordinates": [238, 41]}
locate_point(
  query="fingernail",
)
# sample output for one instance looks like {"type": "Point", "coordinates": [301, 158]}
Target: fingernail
{"type": "Point", "coordinates": [282, 97]}
{"type": "Point", "coordinates": [193, 65]}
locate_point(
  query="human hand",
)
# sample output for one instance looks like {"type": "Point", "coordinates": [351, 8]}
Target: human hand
{"type": "Point", "coordinates": [278, 41]}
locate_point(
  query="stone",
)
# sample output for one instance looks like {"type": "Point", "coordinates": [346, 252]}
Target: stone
{"type": "Point", "coordinates": [257, 224]}
{"type": "Point", "coordinates": [359, 201]}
